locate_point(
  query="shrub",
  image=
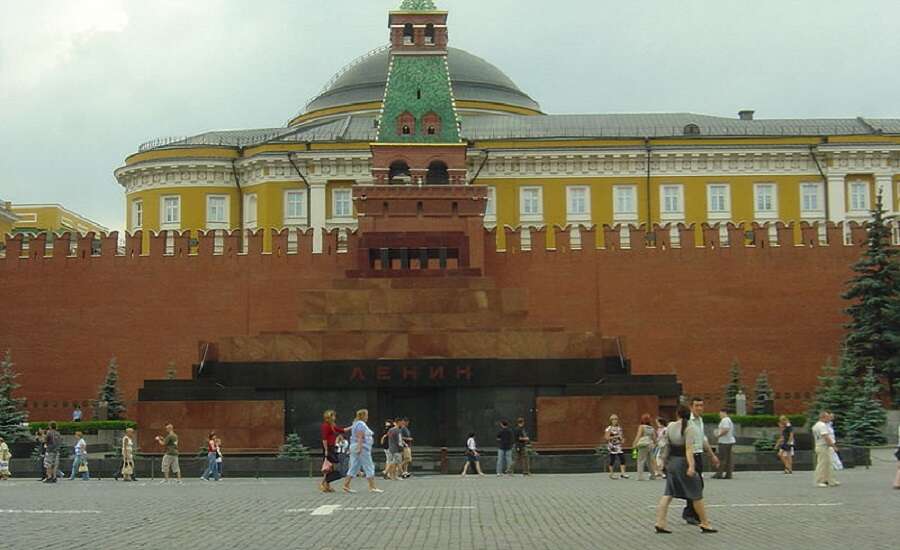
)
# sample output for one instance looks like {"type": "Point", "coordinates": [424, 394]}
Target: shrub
{"type": "Point", "coordinates": [89, 427]}
{"type": "Point", "coordinates": [757, 420]}
{"type": "Point", "coordinates": [765, 443]}
{"type": "Point", "coordinates": [293, 448]}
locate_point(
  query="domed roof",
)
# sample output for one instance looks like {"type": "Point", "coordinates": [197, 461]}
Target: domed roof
{"type": "Point", "coordinates": [474, 79]}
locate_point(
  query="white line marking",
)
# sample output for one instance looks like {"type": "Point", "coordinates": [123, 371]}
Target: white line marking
{"type": "Point", "coordinates": [325, 510]}
{"type": "Point", "coordinates": [771, 505]}
{"type": "Point", "coordinates": [329, 509]}
{"type": "Point", "coordinates": [50, 512]}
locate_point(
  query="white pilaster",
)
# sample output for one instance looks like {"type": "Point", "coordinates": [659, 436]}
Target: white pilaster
{"type": "Point", "coordinates": [837, 198]}
{"type": "Point", "coordinates": [317, 213]}
{"type": "Point", "coordinates": [884, 183]}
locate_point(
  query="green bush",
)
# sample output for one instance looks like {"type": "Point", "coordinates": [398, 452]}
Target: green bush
{"type": "Point", "coordinates": [757, 420]}
{"type": "Point", "coordinates": [89, 427]}
{"type": "Point", "coordinates": [765, 442]}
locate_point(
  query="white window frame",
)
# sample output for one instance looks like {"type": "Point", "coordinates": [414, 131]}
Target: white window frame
{"type": "Point", "coordinates": [537, 216]}
{"type": "Point", "coordinates": [490, 209]}
{"type": "Point", "coordinates": [867, 199]}
{"type": "Point", "coordinates": [137, 214]}
{"type": "Point", "coordinates": [671, 214]}
{"type": "Point", "coordinates": [164, 221]}
{"type": "Point", "coordinates": [723, 214]}
{"type": "Point", "coordinates": [625, 214]}
{"type": "Point", "coordinates": [334, 204]}
{"type": "Point", "coordinates": [573, 216]}
{"type": "Point", "coordinates": [251, 215]}
{"type": "Point", "coordinates": [819, 211]}
{"type": "Point", "coordinates": [223, 223]}
{"type": "Point", "coordinates": [300, 218]}
{"type": "Point", "coordinates": [765, 214]}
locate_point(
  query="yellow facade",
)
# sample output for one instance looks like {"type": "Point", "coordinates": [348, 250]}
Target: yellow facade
{"type": "Point", "coordinates": [7, 219]}
{"type": "Point", "coordinates": [35, 218]}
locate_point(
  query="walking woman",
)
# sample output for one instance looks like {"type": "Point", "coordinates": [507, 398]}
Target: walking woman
{"type": "Point", "coordinates": [658, 448]}
{"type": "Point", "coordinates": [211, 455]}
{"type": "Point", "coordinates": [330, 432]}
{"type": "Point", "coordinates": [128, 455]}
{"type": "Point", "coordinates": [644, 440]}
{"type": "Point", "coordinates": [219, 456]}
{"type": "Point", "coordinates": [785, 444]}
{"type": "Point", "coordinates": [472, 456]}
{"type": "Point", "coordinates": [614, 439]}
{"type": "Point", "coordinates": [5, 457]}
{"type": "Point", "coordinates": [682, 480]}
{"type": "Point", "coordinates": [361, 440]}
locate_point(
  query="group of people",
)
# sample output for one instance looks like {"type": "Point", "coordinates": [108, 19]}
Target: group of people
{"type": "Point", "coordinates": [361, 439]}
{"type": "Point", "coordinates": [508, 440]}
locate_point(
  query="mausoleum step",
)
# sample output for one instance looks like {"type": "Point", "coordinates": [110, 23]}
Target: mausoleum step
{"type": "Point", "coordinates": [378, 301]}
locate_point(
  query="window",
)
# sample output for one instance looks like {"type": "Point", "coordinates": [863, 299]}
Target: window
{"type": "Point", "coordinates": [624, 202]}
{"type": "Point", "coordinates": [171, 208]}
{"type": "Point", "coordinates": [578, 200]}
{"type": "Point", "coordinates": [811, 204]}
{"type": "Point", "coordinates": [341, 203]}
{"type": "Point", "coordinates": [250, 210]}
{"type": "Point", "coordinates": [408, 34]}
{"type": "Point", "coordinates": [672, 202]}
{"type": "Point", "coordinates": [718, 199]}
{"type": "Point", "coordinates": [490, 209]}
{"type": "Point", "coordinates": [137, 214]}
{"type": "Point", "coordinates": [216, 210]}
{"type": "Point", "coordinates": [859, 196]}
{"type": "Point", "coordinates": [294, 206]}
{"type": "Point", "coordinates": [429, 34]}
{"type": "Point", "coordinates": [531, 204]}
{"type": "Point", "coordinates": [765, 200]}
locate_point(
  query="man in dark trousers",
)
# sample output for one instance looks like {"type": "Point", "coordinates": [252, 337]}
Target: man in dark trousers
{"type": "Point", "coordinates": [523, 461]}
{"type": "Point", "coordinates": [504, 448]}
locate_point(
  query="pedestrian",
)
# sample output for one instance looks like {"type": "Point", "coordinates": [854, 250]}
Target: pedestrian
{"type": "Point", "coordinates": [211, 455]}
{"type": "Point", "coordinates": [683, 481]}
{"type": "Point", "coordinates": [395, 448]}
{"type": "Point", "coordinates": [5, 457]}
{"type": "Point", "coordinates": [342, 450]}
{"type": "Point", "coordinates": [170, 458]}
{"type": "Point", "coordinates": [80, 462]}
{"type": "Point", "coordinates": [388, 424]}
{"type": "Point", "coordinates": [785, 444]}
{"type": "Point", "coordinates": [523, 461]}
{"type": "Point", "coordinates": [660, 443]}
{"type": "Point", "coordinates": [128, 455]}
{"type": "Point", "coordinates": [219, 455]}
{"type": "Point", "coordinates": [726, 441]}
{"type": "Point", "coordinates": [41, 439]}
{"type": "Point", "coordinates": [614, 440]}
{"type": "Point", "coordinates": [52, 440]}
{"type": "Point", "coordinates": [824, 443]}
{"type": "Point", "coordinates": [644, 442]}
{"type": "Point", "coordinates": [836, 464]}
{"type": "Point", "coordinates": [361, 440]}
{"type": "Point", "coordinates": [504, 448]}
{"type": "Point", "coordinates": [76, 413]}
{"type": "Point", "coordinates": [897, 456]}
{"type": "Point", "coordinates": [406, 449]}
{"type": "Point", "coordinates": [472, 456]}
{"type": "Point", "coordinates": [330, 431]}
{"type": "Point", "coordinates": [699, 445]}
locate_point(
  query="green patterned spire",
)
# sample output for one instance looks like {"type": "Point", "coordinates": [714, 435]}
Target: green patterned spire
{"type": "Point", "coordinates": [418, 5]}
{"type": "Point", "coordinates": [419, 85]}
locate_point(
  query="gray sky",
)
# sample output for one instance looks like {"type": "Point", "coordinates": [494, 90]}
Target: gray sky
{"type": "Point", "coordinates": [83, 83]}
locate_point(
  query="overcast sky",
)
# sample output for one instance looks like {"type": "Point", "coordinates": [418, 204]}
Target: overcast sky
{"type": "Point", "coordinates": [84, 82]}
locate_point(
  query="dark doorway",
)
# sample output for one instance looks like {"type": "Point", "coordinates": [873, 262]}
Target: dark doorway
{"type": "Point", "coordinates": [424, 410]}
{"type": "Point", "coordinates": [437, 174]}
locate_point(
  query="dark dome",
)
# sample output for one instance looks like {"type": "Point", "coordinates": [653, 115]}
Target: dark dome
{"type": "Point", "coordinates": [474, 79]}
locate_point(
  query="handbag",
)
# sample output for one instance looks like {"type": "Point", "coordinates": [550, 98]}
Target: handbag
{"type": "Point", "coordinates": [327, 466]}
{"type": "Point", "coordinates": [83, 467]}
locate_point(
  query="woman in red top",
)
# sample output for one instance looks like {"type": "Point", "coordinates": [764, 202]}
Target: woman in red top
{"type": "Point", "coordinates": [330, 431]}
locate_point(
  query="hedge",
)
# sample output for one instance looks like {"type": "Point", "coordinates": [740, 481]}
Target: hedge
{"type": "Point", "coordinates": [89, 427]}
{"type": "Point", "coordinates": [757, 420]}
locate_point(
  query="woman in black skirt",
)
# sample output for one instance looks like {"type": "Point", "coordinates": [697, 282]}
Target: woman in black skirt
{"type": "Point", "coordinates": [682, 480]}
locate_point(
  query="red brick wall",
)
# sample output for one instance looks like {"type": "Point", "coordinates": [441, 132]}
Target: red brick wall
{"type": "Point", "coordinates": [687, 311]}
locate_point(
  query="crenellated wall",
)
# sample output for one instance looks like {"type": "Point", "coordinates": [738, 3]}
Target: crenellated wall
{"type": "Point", "coordinates": [687, 307]}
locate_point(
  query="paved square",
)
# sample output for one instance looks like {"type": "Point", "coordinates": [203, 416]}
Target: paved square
{"type": "Point", "coordinates": [755, 510]}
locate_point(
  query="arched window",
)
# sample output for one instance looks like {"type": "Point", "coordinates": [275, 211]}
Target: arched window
{"type": "Point", "coordinates": [437, 174]}
{"type": "Point", "coordinates": [408, 39]}
{"type": "Point", "coordinates": [406, 124]}
{"type": "Point", "coordinates": [399, 172]}
{"type": "Point", "coordinates": [432, 123]}
{"type": "Point", "coordinates": [692, 130]}
{"type": "Point", "coordinates": [429, 34]}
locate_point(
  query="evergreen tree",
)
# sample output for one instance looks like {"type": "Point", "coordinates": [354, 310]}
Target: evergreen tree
{"type": "Point", "coordinates": [12, 409]}
{"type": "Point", "coordinates": [866, 417]}
{"type": "Point", "coordinates": [734, 385]}
{"type": "Point", "coordinates": [109, 393]}
{"type": "Point", "coordinates": [837, 390]}
{"type": "Point", "coordinates": [293, 448]}
{"type": "Point", "coordinates": [762, 396]}
{"type": "Point", "coordinates": [873, 337]}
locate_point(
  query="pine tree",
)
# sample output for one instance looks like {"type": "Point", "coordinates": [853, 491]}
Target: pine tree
{"type": "Point", "coordinates": [762, 396]}
{"type": "Point", "coordinates": [873, 337]}
{"type": "Point", "coordinates": [734, 385]}
{"type": "Point", "coordinates": [12, 409]}
{"type": "Point", "coordinates": [866, 416]}
{"type": "Point", "coordinates": [109, 393]}
{"type": "Point", "coordinates": [837, 390]}
{"type": "Point", "coordinates": [293, 448]}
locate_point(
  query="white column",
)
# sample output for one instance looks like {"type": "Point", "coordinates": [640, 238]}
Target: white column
{"type": "Point", "coordinates": [837, 198]}
{"type": "Point", "coordinates": [317, 213]}
{"type": "Point", "coordinates": [885, 184]}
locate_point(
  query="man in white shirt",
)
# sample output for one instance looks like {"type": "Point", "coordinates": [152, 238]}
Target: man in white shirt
{"type": "Point", "coordinates": [725, 435]}
{"type": "Point", "coordinates": [700, 444]}
{"type": "Point", "coordinates": [824, 444]}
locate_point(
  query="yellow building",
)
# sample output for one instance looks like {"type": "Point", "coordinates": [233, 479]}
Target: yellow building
{"type": "Point", "coordinates": [52, 218]}
{"type": "Point", "coordinates": [7, 218]}
{"type": "Point", "coordinates": [541, 169]}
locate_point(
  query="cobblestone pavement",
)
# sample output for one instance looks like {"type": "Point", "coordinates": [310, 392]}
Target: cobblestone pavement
{"type": "Point", "coordinates": [755, 510]}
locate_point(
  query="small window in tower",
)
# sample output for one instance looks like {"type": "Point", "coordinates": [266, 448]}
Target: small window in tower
{"type": "Point", "coordinates": [429, 34]}
{"type": "Point", "coordinates": [406, 124]}
{"type": "Point", "coordinates": [432, 123]}
{"type": "Point", "coordinates": [408, 34]}
{"type": "Point", "coordinates": [419, 93]}
{"type": "Point", "coordinates": [431, 130]}
{"type": "Point", "coordinates": [406, 130]}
